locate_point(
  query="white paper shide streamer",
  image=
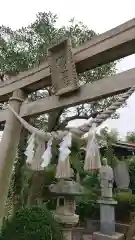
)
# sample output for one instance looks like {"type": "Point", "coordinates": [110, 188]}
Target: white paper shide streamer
{"type": "Point", "coordinates": [92, 158]}
{"type": "Point", "coordinates": [63, 168]}
{"type": "Point", "coordinates": [46, 157]}
{"type": "Point", "coordinates": [30, 149]}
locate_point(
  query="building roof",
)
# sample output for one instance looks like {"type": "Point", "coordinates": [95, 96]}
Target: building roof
{"type": "Point", "coordinates": [126, 145]}
{"type": "Point", "coordinates": [121, 149]}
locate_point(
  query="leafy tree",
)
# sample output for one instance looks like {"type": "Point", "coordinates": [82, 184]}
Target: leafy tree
{"type": "Point", "coordinates": [131, 167]}
{"type": "Point", "coordinates": [106, 138]}
{"type": "Point", "coordinates": [131, 161]}
{"type": "Point", "coordinates": [29, 223]}
{"type": "Point", "coordinates": [130, 137]}
{"type": "Point", "coordinates": [27, 47]}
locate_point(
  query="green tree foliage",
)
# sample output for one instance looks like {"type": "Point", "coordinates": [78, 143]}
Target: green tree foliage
{"type": "Point", "coordinates": [130, 137]}
{"type": "Point", "coordinates": [87, 206]}
{"type": "Point", "coordinates": [131, 161]}
{"type": "Point", "coordinates": [31, 223]}
{"type": "Point", "coordinates": [125, 206]}
{"type": "Point", "coordinates": [107, 138]}
{"type": "Point", "coordinates": [131, 167]}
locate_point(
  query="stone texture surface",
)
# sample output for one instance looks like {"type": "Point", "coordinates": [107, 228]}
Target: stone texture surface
{"type": "Point", "coordinates": [63, 70]}
{"type": "Point", "coordinates": [109, 46]}
{"type": "Point", "coordinates": [9, 143]}
{"type": "Point", "coordinates": [107, 216]}
{"type": "Point", "coordinates": [107, 224]}
{"type": "Point", "coordinates": [121, 175]}
{"type": "Point", "coordinates": [101, 236]}
{"type": "Point", "coordinates": [87, 237]}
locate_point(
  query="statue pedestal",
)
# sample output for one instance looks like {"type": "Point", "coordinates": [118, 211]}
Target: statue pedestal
{"type": "Point", "coordinates": [107, 221]}
{"type": "Point", "coordinates": [107, 216]}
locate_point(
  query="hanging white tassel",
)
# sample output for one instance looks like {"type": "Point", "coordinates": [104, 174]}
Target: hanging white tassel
{"type": "Point", "coordinates": [63, 168]}
{"type": "Point", "coordinates": [30, 149]}
{"type": "Point", "coordinates": [31, 138]}
{"type": "Point", "coordinates": [92, 158]}
{"type": "Point", "coordinates": [46, 157]}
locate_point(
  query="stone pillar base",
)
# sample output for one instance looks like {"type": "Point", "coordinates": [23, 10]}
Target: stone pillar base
{"type": "Point", "coordinates": [101, 236]}
{"type": "Point", "coordinates": [107, 216]}
{"type": "Point", "coordinates": [67, 222]}
{"type": "Point", "coordinates": [67, 233]}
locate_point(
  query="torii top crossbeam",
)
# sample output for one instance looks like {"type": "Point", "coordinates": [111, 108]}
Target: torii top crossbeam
{"type": "Point", "coordinates": [109, 46]}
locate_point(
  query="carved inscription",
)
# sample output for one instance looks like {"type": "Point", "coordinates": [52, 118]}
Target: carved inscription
{"type": "Point", "coordinates": [62, 66]}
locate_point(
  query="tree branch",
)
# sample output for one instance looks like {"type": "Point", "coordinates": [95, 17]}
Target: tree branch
{"type": "Point", "coordinates": [63, 124]}
{"type": "Point", "coordinates": [53, 120]}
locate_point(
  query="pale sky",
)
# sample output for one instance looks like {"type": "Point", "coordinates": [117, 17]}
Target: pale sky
{"type": "Point", "coordinates": [97, 15]}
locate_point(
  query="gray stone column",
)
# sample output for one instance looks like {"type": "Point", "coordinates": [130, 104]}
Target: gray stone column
{"type": "Point", "coordinates": [8, 146]}
{"type": "Point", "coordinates": [107, 221]}
{"type": "Point", "coordinates": [107, 216]}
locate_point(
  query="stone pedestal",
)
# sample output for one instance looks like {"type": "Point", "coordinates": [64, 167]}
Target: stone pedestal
{"type": "Point", "coordinates": [107, 216]}
{"type": "Point", "coordinates": [101, 236]}
{"type": "Point", "coordinates": [107, 221]}
{"type": "Point", "coordinates": [67, 223]}
{"type": "Point", "coordinates": [67, 234]}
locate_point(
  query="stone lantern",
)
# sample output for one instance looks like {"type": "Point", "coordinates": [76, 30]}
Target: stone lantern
{"type": "Point", "coordinates": [66, 190]}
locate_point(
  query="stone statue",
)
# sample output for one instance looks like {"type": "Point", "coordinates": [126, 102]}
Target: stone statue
{"type": "Point", "coordinates": [106, 179]}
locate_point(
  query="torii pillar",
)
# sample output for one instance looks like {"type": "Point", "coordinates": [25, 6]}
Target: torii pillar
{"type": "Point", "coordinates": [8, 146]}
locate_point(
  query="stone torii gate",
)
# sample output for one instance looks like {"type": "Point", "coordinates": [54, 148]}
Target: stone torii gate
{"type": "Point", "coordinates": [64, 63]}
